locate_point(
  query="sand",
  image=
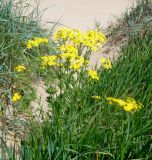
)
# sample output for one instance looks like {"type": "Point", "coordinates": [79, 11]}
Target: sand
{"type": "Point", "coordinates": [82, 14]}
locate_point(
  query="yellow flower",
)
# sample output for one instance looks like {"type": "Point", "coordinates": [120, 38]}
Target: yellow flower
{"type": "Point", "coordinates": [16, 97]}
{"type": "Point", "coordinates": [93, 39]}
{"type": "Point", "coordinates": [41, 40]}
{"type": "Point", "coordinates": [66, 34]}
{"type": "Point", "coordinates": [96, 97]}
{"type": "Point", "coordinates": [129, 105]}
{"type": "Point", "coordinates": [62, 33]}
{"type": "Point", "coordinates": [49, 60]}
{"type": "Point", "coordinates": [77, 64]}
{"type": "Point", "coordinates": [29, 45]}
{"type": "Point", "coordinates": [59, 65]}
{"type": "Point", "coordinates": [116, 100]}
{"type": "Point", "coordinates": [20, 68]}
{"type": "Point", "coordinates": [132, 105]}
{"type": "Point", "coordinates": [93, 74]}
{"type": "Point", "coordinates": [36, 42]}
{"type": "Point", "coordinates": [76, 37]}
{"type": "Point", "coordinates": [69, 51]}
{"type": "Point", "coordinates": [106, 63]}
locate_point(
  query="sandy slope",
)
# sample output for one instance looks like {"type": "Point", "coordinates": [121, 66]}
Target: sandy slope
{"type": "Point", "coordinates": [82, 13]}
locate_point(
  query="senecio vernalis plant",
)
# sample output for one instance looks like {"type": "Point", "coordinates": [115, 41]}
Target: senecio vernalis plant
{"type": "Point", "coordinates": [82, 122]}
{"type": "Point", "coordinates": [70, 67]}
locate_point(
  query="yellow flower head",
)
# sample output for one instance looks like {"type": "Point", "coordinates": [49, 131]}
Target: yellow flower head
{"type": "Point", "coordinates": [69, 51]}
{"type": "Point", "coordinates": [120, 102]}
{"type": "Point", "coordinates": [49, 60]}
{"type": "Point", "coordinates": [96, 97]}
{"type": "Point", "coordinates": [94, 39]}
{"type": "Point", "coordinates": [129, 105]}
{"type": "Point", "coordinates": [66, 34]}
{"type": "Point", "coordinates": [16, 97]}
{"type": "Point", "coordinates": [62, 33]}
{"type": "Point", "coordinates": [106, 63]}
{"type": "Point", "coordinates": [41, 40]}
{"type": "Point", "coordinates": [29, 45]}
{"type": "Point", "coordinates": [36, 42]}
{"type": "Point", "coordinates": [132, 105]}
{"type": "Point", "coordinates": [76, 37]}
{"type": "Point", "coordinates": [77, 64]}
{"type": "Point", "coordinates": [20, 68]}
{"type": "Point", "coordinates": [93, 74]}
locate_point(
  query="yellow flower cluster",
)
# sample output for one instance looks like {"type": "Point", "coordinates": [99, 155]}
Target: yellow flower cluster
{"type": "Point", "coordinates": [36, 42]}
{"type": "Point", "coordinates": [16, 97]}
{"type": "Point", "coordinates": [129, 105]}
{"type": "Point", "coordinates": [93, 74]}
{"type": "Point", "coordinates": [20, 68]}
{"type": "Point", "coordinates": [49, 60]}
{"type": "Point", "coordinates": [68, 51]}
{"type": "Point", "coordinates": [106, 63]}
{"type": "Point", "coordinates": [52, 60]}
{"type": "Point", "coordinates": [77, 63]}
{"type": "Point", "coordinates": [92, 39]}
{"type": "Point", "coordinates": [66, 34]}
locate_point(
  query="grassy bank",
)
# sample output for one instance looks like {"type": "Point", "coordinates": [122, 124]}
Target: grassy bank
{"type": "Point", "coordinates": [82, 127]}
{"type": "Point", "coordinates": [99, 113]}
{"type": "Point", "coordinates": [17, 25]}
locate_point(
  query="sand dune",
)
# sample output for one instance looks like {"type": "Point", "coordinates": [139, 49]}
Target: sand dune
{"type": "Point", "coordinates": [82, 13]}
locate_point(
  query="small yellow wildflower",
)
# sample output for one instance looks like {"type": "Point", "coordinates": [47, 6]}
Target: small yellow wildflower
{"type": "Point", "coordinates": [66, 34]}
{"type": "Point", "coordinates": [62, 33]}
{"type": "Point", "coordinates": [132, 105]}
{"type": "Point", "coordinates": [96, 97]}
{"type": "Point", "coordinates": [60, 64]}
{"type": "Point", "coordinates": [49, 60]}
{"type": "Point", "coordinates": [129, 105]}
{"type": "Point", "coordinates": [69, 51]}
{"type": "Point", "coordinates": [41, 40]}
{"type": "Point", "coordinates": [29, 45]}
{"type": "Point", "coordinates": [120, 102]}
{"type": "Point", "coordinates": [77, 64]}
{"type": "Point", "coordinates": [36, 42]}
{"type": "Point", "coordinates": [16, 97]}
{"type": "Point", "coordinates": [93, 74]}
{"type": "Point", "coordinates": [94, 39]}
{"type": "Point", "coordinates": [20, 68]}
{"type": "Point", "coordinates": [76, 37]}
{"type": "Point", "coordinates": [106, 63]}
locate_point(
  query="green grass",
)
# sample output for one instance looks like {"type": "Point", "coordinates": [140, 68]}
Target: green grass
{"type": "Point", "coordinates": [79, 127]}
{"type": "Point", "coordinates": [136, 19]}
{"type": "Point", "coordinates": [17, 25]}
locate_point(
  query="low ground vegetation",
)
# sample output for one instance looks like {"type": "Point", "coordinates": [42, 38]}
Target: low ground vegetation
{"type": "Point", "coordinates": [95, 112]}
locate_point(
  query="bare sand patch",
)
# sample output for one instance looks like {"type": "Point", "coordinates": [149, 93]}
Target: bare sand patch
{"type": "Point", "coordinates": [82, 14]}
